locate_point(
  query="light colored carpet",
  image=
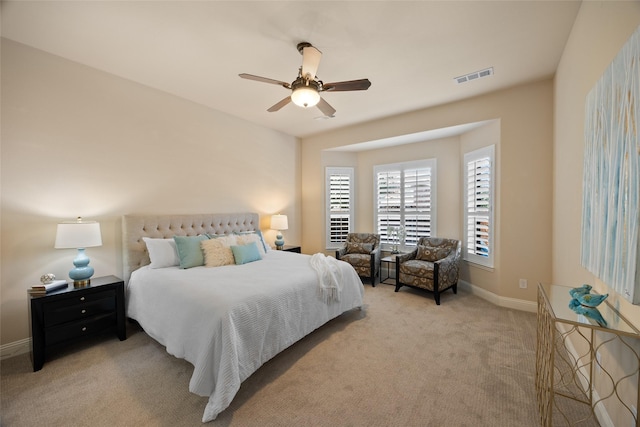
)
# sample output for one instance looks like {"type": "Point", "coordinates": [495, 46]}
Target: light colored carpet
{"type": "Point", "coordinates": [400, 361]}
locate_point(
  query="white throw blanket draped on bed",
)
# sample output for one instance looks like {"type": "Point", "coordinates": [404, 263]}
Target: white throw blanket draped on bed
{"type": "Point", "coordinates": [329, 276]}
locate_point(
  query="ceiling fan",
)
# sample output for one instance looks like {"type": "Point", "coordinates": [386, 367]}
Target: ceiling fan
{"type": "Point", "coordinates": [306, 88]}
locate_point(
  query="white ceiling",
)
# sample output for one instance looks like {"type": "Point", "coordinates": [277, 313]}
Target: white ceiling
{"type": "Point", "coordinates": [410, 51]}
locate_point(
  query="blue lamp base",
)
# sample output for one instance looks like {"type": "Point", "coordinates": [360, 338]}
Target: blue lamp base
{"type": "Point", "coordinates": [279, 241]}
{"type": "Point", "coordinates": [82, 273]}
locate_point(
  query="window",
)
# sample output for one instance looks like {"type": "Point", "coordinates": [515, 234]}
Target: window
{"type": "Point", "coordinates": [405, 195]}
{"type": "Point", "coordinates": [478, 206]}
{"type": "Point", "coordinates": [339, 205]}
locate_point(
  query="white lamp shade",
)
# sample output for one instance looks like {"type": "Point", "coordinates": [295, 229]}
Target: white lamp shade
{"type": "Point", "coordinates": [78, 234]}
{"type": "Point", "coordinates": [305, 96]}
{"type": "Point", "coordinates": [279, 222]}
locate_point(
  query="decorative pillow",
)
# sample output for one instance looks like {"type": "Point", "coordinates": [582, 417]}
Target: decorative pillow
{"type": "Point", "coordinates": [162, 252]}
{"type": "Point", "coordinates": [431, 254]}
{"type": "Point", "coordinates": [261, 242]}
{"type": "Point", "coordinates": [246, 253]}
{"type": "Point", "coordinates": [245, 239]}
{"type": "Point", "coordinates": [226, 239]}
{"type": "Point", "coordinates": [359, 248]}
{"type": "Point", "coordinates": [189, 250]}
{"type": "Point", "coordinates": [217, 252]}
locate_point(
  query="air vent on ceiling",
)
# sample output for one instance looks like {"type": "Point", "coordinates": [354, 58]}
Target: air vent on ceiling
{"type": "Point", "coordinates": [475, 75]}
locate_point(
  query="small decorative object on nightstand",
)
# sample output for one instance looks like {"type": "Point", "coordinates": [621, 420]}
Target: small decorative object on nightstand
{"type": "Point", "coordinates": [279, 223]}
{"type": "Point", "coordinates": [66, 315]}
{"type": "Point", "coordinates": [291, 248]}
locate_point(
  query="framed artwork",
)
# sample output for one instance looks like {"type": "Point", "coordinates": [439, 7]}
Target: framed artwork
{"type": "Point", "coordinates": [611, 177]}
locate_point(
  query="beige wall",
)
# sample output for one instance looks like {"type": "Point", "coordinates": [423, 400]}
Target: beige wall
{"type": "Point", "coordinates": [76, 141]}
{"type": "Point", "coordinates": [487, 135]}
{"type": "Point", "coordinates": [524, 156]}
{"type": "Point", "coordinates": [445, 150]}
{"type": "Point", "coordinates": [599, 32]}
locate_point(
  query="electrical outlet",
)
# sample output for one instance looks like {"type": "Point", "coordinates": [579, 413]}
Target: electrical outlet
{"type": "Point", "coordinates": [523, 283]}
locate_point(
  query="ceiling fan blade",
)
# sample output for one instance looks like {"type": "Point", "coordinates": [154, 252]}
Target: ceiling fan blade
{"type": "Point", "coordinates": [326, 109]}
{"type": "Point", "coordinates": [310, 62]}
{"type": "Point", "coordinates": [362, 84]}
{"type": "Point", "coordinates": [265, 80]}
{"type": "Point", "coordinates": [280, 104]}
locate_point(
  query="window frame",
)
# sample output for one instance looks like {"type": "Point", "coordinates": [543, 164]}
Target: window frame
{"type": "Point", "coordinates": [329, 172]}
{"type": "Point", "coordinates": [431, 164]}
{"type": "Point", "coordinates": [469, 157]}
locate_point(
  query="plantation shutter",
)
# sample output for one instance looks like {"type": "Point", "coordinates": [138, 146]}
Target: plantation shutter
{"type": "Point", "coordinates": [478, 206]}
{"type": "Point", "coordinates": [404, 197]}
{"type": "Point", "coordinates": [388, 202]}
{"type": "Point", "coordinates": [340, 204]}
{"type": "Point", "coordinates": [417, 204]}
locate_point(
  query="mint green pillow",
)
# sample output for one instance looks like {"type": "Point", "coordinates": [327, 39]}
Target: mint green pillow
{"type": "Point", "coordinates": [189, 250]}
{"type": "Point", "coordinates": [246, 253]}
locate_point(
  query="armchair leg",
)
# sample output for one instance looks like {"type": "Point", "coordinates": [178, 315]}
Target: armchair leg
{"type": "Point", "coordinates": [436, 289]}
{"type": "Point", "coordinates": [372, 270]}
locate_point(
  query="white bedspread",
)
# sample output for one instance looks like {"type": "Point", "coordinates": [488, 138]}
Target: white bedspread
{"type": "Point", "coordinates": [228, 321]}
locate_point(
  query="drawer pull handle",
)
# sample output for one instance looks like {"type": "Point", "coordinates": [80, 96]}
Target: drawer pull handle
{"type": "Point", "coordinates": [84, 328]}
{"type": "Point", "coordinates": [81, 298]}
{"type": "Point", "coordinates": [84, 311]}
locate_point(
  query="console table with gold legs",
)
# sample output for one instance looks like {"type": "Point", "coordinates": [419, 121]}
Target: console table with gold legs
{"type": "Point", "coordinates": [586, 373]}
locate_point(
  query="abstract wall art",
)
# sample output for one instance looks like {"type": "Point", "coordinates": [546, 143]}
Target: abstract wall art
{"type": "Point", "coordinates": [611, 177]}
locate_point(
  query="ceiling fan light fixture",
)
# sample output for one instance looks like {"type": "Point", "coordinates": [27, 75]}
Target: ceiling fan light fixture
{"type": "Point", "coordinates": [305, 96]}
{"type": "Point", "coordinates": [305, 90]}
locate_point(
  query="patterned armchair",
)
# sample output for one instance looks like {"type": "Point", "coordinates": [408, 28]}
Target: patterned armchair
{"type": "Point", "coordinates": [362, 251]}
{"type": "Point", "coordinates": [434, 265]}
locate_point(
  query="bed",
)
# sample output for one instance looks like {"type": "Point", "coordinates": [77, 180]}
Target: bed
{"type": "Point", "coordinates": [229, 320]}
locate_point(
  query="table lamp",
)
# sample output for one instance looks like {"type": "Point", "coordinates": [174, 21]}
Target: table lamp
{"type": "Point", "coordinates": [279, 223]}
{"type": "Point", "coordinates": [79, 235]}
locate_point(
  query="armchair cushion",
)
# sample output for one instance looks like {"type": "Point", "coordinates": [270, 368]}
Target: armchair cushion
{"type": "Point", "coordinates": [422, 270]}
{"type": "Point", "coordinates": [361, 262]}
{"type": "Point", "coordinates": [359, 248]}
{"type": "Point", "coordinates": [432, 253]}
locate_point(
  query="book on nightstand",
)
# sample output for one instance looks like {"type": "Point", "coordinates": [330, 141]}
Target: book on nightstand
{"type": "Point", "coordinates": [48, 287]}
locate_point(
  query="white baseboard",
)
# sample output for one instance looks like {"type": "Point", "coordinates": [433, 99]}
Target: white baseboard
{"type": "Point", "coordinates": [15, 348]}
{"type": "Point", "coordinates": [516, 304]}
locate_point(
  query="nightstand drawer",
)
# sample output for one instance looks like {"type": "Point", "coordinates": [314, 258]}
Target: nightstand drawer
{"type": "Point", "coordinates": [73, 330]}
{"type": "Point", "coordinates": [80, 298]}
{"type": "Point", "coordinates": [62, 313]}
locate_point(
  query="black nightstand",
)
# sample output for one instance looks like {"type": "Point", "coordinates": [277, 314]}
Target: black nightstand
{"type": "Point", "coordinates": [290, 248]}
{"type": "Point", "coordinates": [69, 314]}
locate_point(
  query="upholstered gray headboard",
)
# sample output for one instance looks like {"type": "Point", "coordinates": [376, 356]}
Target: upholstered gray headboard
{"type": "Point", "coordinates": [135, 227]}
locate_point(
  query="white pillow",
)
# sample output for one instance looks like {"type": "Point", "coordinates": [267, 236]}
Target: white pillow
{"type": "Point", "coordinates": [162, 252]}
{"type": "Point", "coordinates": [246, 238]}
{"type": "Point", "coordinates": [217, 251]}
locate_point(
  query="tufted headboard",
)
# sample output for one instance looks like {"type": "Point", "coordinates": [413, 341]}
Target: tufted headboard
{"type": "Point", "coordinates": [135, 227]}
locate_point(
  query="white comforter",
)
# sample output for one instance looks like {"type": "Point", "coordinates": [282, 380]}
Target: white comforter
{"type": "Point", "coordinates": [228, 321]}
